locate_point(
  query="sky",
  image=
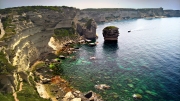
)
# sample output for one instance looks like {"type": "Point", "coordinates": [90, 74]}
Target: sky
{"type": "Point", "coordinates": [166, 4]}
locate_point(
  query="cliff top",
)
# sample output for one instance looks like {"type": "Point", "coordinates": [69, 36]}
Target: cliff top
{"type": "Point", "coordinates": [22, 9]}
{"type": "Point", "coordinates": [110, 27]}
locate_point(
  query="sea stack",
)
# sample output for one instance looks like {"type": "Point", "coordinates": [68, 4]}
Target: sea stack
{"type": "Point", "coordinates": [110, 33]}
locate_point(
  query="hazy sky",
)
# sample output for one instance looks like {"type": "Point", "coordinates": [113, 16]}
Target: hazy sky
{"type": "Point", "coordinates": [166, 4]}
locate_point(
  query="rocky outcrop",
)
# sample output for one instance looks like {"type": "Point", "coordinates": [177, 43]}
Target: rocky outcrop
{"type": "Point", "coordinates": [110, 33]}
{"type": "Point", "coordinates": [88, 30]}
{"type": "Point", "coordinates": [79, 96]}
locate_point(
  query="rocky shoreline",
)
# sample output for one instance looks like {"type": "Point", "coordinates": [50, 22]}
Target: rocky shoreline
{"type": "Point", "coordinates": [52, 86]}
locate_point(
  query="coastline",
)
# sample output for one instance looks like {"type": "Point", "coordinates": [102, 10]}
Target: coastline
{"type": "Point", "coordinates": [51, 85]}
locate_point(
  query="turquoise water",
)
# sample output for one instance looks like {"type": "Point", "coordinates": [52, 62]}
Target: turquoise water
{"type": "Point", "coordinates": [145, 61]}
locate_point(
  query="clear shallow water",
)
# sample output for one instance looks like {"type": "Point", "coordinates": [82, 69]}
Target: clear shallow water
{"type": "Point", "coordinates": [145, 61]}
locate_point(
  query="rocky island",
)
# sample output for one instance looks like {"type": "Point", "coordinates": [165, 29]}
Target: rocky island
{"type": "Point", "coordinates": [34, 38]}
{"type": "Point", "coordinates": [110, 33]}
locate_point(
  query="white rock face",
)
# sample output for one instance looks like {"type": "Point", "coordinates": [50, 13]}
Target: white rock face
{"type": "Point", "coordinates": [1, 29]}
{"type": "Point", "coordinates": [41, 90]}
{"type": "Point", "coordinates": [34, 36]}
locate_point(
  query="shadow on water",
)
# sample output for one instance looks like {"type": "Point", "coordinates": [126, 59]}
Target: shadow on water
{"type": "Point", "coordinates": [110, 46]}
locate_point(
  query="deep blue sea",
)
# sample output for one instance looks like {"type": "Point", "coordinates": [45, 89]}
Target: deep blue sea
{"type": "Point", "coordinates": [145, 61]}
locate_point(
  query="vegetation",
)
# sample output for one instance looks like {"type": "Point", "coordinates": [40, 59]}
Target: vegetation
{"type": "Point", "coordinates": [88, 24]}
{"type": "Point", "coordinates": [84, 19]}
{"type": "Point", "coordinates": [22, 9]}
{"type": "Point", "coordinates": [5, 66]}
{"type": "Point", "coordinates": [65, 33]}
{"type": "Point", "coordinates": [8, 27]}
{"type": "Point", "coordinates": [110, 27]}
{"type": "Point", "coordinates": [29, 93]}
{"type": "Point", "coordinates": [6, 97]}
{"type": "Point", "coordinates": [56, 67]}
{"type": "Point", "coordinates": [37, 65]}
{"type": "Point", "coordinates": [108, 9]}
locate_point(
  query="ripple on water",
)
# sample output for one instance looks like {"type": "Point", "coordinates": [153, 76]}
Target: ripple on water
{"type": "Point", "coordinates": [145, 62]}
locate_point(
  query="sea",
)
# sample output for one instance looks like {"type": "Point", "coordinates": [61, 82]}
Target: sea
{"type": "Point", "coordinates": [145, 61]}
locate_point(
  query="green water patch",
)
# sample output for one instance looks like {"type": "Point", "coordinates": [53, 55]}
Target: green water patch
{"type": "Point", "coordinates": [126, 76]}
{"type": "Point", "coordinates": [82, 61]}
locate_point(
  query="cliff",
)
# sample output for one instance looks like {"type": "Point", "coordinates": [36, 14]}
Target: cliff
{"type": "Point", "coordinates": [28, 33]}
{"type": "Point", "coordinates": [112, 14]}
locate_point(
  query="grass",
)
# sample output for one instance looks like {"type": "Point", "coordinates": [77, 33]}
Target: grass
{"type": "Point", "coordinates": [29, 93]}
{"type": "Point", "coordinates": [37, 65]}
{"type": "Point", "coordinates": [8, 27]}
{"type": "Point", "coordinates": [65, 34]}
{"type": "Point", "coordinates": [6, 97]}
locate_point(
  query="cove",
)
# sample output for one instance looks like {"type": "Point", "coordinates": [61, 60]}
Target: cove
{"type": "Point", "coordinates": [145, 61]}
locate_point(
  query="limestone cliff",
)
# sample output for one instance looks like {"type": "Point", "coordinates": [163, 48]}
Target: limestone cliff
{"type": "Point", "coordinates": [33, 30]}
{"type": "Point", "coordinates": [88, 30]}
{"type": "Point", "coordinates": [112, 14]}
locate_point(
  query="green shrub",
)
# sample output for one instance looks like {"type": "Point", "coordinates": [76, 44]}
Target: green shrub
{"type": "Point", "coordinates": [64, 33]}
{"type": "Point", "coordinates": [29, 93]}
{"type": "Point", "coordinates": [110, 27]}
{"type": "Point", "coordinates": [88, 24]}
{"type": "Point", "coordinates": [5, 67]}
{"type": "Point", "coordinates": [6, 97]}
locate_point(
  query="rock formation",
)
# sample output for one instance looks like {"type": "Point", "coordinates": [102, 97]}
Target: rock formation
{"type": "Point", "coordinates": [88, 29]}
{"type": "Point", "coordinates": [110, 33]}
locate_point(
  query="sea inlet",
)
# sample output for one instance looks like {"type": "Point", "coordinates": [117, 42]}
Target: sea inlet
{"type": "Point", "coordinates": [145, 61]}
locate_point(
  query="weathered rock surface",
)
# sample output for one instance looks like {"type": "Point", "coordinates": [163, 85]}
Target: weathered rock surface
{"type": "Point", "coordinates": [34, 36]}
{"type": "Point", "coordinates": [78, 96]}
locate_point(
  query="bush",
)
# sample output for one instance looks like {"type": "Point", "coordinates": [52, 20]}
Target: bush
{"type": "Point", "coordinates": [88, 24]}
{"type": "Point", "coordinates": [5, 67]}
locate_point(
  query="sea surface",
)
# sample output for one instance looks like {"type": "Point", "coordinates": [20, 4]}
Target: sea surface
{"type": "Point", "coordinates": [145, 61]}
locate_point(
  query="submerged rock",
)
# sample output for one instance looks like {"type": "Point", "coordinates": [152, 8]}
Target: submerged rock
{"type": "Point", "coordinates": [119, 85]}
{"type": "Point", "coordinates": [137, 96]}
{"type": "Point", "coordinates": [131, 85]}
{"type": "Point", "coordinates": [92, 58]}
{"type": "Point", "coordinates": [102, 86]}
{"type": "Point", "coordinates": [151, 93]}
